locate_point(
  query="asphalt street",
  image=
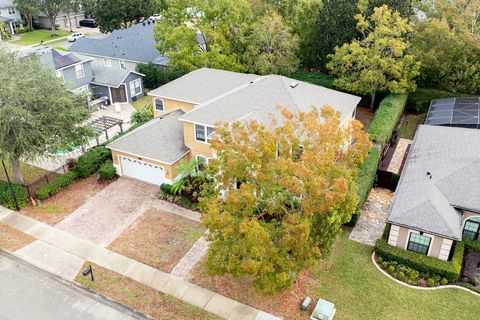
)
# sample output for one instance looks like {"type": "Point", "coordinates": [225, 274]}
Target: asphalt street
{"type": "Point", "coordinates": [27, 293]}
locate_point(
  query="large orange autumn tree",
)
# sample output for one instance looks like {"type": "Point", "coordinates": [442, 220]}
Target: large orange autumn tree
{"type": "Point", "coordinates": [282, 193]}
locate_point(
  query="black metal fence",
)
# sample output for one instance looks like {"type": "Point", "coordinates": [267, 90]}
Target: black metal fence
{"type": "Point", "coordinates": [34, 186]}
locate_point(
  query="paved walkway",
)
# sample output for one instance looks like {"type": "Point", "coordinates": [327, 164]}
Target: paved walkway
{"type": "Point", "coordinates": [159, 280]}
{"type": "Point", "coordinates": [195, 254]}
{"type": "Point", "coordinates": [371, 224]}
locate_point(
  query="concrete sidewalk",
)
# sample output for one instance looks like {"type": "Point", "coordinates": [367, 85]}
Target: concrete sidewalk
{"type": "Point", "coordinates": [157, 279]}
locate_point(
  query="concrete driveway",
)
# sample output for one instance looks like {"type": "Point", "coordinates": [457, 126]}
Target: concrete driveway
{"type": "Point", "coordinates": [27, 293]}
{"type": "Point", "coordinates": [105, 216]}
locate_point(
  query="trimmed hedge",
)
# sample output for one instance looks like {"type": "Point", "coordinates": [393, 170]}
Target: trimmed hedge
{"type": "Point", "coordinates": [156, 76]}
{"type": "Point", "coordinates": [386, 117]}
{"type": "Point", "coordinates": [107, 170]}
{"type": "Point", "coordinates": [6, 198]}
{"type": "Point", "coordinates": [365, 178]}
{"type": "Point", "coordinates": [315, 78]}
{"type": "Point", "coordinates": [57, 184]}
{"type": "Point", "coordinates": [472, 245]}
{"type": "Point", "coordinates": [419, 101]}
{"type": "Point", "coordinates": [90, 162]}
{"type": "Point", "coordinates": [423, 264]}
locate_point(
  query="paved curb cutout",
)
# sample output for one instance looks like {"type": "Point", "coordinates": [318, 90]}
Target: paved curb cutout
{"type": "Point", "coordinates": [448, 286]}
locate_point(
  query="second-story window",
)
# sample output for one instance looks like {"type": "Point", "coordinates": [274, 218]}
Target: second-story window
{"type": "Point", "coordinates": [79, 70]}
{"type": "Point", "coordinates": [107, 62]}
{"type": "Point", "coordinates": [122, 64]}
{"type": "Point", "coordinates": [158, 104]}
{"type": "Point", "coordinates": [11, 11]}
{"type": "Point", "coordinates": [203, 133]}
{"type": "Point", "coordinates": [59, 74]}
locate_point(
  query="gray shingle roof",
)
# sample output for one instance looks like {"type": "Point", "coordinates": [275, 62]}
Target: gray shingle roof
{"type": "Point", "coordinates": [62, 60]}
{"type": "Point", "coordinates": [112, 77]}
{"type": "Point", "coordinates": [135, 43]}
{"type": "Point", "coordinates": [202, 85]}
{"type": "Point", "coordinates": [259, 100]}
{"type": "Point", "coordinates": [452, 156]}
{"type": "Point", "coordinates": [52, 58]}
{"type": "Point", "coordinates": [159, 139]}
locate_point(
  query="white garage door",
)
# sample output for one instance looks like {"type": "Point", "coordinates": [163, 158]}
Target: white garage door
{"type": "Point", "coordinates": [143, 171]}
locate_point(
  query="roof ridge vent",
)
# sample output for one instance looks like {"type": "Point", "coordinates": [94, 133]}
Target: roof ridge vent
{"type": "Point", "coordinates": [293, 84]}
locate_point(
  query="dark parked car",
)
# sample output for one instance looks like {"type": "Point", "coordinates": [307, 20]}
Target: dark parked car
{"type": "Point", "coordinates": [90, 23]}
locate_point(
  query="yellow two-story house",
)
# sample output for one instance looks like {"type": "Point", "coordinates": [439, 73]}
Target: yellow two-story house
{"type": "Point", "coordinates": [187, 109]}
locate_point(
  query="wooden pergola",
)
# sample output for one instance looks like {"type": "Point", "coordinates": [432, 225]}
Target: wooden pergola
{"type": "Point", "coordinates": [103, 124]}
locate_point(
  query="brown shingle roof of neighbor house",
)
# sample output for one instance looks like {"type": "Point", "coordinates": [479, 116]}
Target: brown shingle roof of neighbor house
{"type": "Point", "coordinates": [261, 98]}
{"type": "Point", "coordinates": [160, 139]}
{"type": "Point", "coordinates": [441, 177]}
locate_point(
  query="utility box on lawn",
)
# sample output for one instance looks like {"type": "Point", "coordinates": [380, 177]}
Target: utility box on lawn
{"type": "Point", "coordinates": [324, 310]}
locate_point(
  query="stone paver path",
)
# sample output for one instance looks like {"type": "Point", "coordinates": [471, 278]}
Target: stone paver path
{"type": "Point", "coordinates": [371, 224]}
{"type": "Point", "coordinates": [195, 254]}
{"type": "Point", "coordinates": [157, 279]}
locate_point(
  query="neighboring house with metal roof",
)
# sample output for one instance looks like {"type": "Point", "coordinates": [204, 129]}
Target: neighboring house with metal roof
{"type": "Point", "coordinates": [187, 109]}
{"type": "Point", "coordinates": [437, 200]}
{"type": "Point", "coordinates": [9, 15]}
{"type": "Point", "coordinates": [124, 48]}
{"type": "Point", "coordinates": [79, 74]}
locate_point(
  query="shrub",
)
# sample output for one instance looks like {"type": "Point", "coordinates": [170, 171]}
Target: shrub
{"type": "Point", "coordinates": [166, 188]}
{"type": "Point", "coordinates": [443, 282]}
{"type": "Point", "coordinates": [156, 76]}
{"type": "Point", "coordinates": [457, 258]}
{"type": "Point", "coordinates": [471, 245]}
{"type": "Point", "coordinates": [387, 117]}
{"type": "Point", "coordinates": [141, 116]}
{"type": "Point", "coordinates": [365, 178]}
{"type": "Point", "coordinates": [380, 260]}
{"type": "Point", "coordinates": [419, 262]}
{"type": "Point", "coordinates": [6, 198]}
{"type": "Point", "coordinates": [319, 79]}
{"type": "Point", "coordinates": [391, 269]}
{"type": "Point", "coordinates": [384, 264]}
{"type": "Point", "coordinates": [107, 170]}
{"type": "Point", "coordinates": [430, 282]}
{"type": "Point", "coordinates": [419, 101]}
{"type": "Point", "coordinates": [90, 162]}
{"type": "Point", "coordinates": [401, 275]}
{"type": "Point", "coordinates": [56, 185]}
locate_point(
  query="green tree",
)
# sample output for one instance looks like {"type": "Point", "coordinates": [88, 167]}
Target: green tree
{"type": "Point", "coordinates": [271, 47]}
{"type": "Point", "coordinates": [121, 14]}
{"type": "Point", "coordinates": [204, 33]}
{"type": "Point", "coordinates": [286, 190]}
{"type": "Point", "coordinates": [380, 61]}
{"type": "Point", "coordinates": [29, 8]}
{"type": "Point", "coordinates": [446, 43]}
{"type": "Point", "coordinates": [37, 113]}
{"type": "Point", "coordinates": [51, 8]}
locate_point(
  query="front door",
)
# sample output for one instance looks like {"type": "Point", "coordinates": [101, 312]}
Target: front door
{"type": "Point", "coordinates": [118, 94]}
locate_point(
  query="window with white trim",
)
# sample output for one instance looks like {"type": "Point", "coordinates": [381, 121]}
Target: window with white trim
{"type": "Point", "coordinates": [159, 104]}
{"type": "Point", "coordinates": [201, 162]}
{"type": "Point", "coordinates": [59, 74]}
{"type": "Point", "coordinates": [135, 87]}
{"type": "Point", "coordinates": [123, 65]}
{"type": "Point", "coordinates": [203, 133]}
{"type": "Point", "coordinates": [11, 11]}
{"type": "Point", "coordinates": [79, 70]}
{"type": "Point", "coordinates": [107, 62]}
{"type": "Point", "coordinates": [419, 243]}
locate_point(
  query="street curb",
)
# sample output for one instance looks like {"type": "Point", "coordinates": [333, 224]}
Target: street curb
{"type": "Point", "coordinates": [448, 286]}
{"type": "Point", "coordinates": [78, 288]}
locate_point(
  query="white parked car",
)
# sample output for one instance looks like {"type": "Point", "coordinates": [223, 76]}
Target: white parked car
{"type": "Point", "coordinates": [75, 36]}
{"type": "Point", "coordinates": [155, 17]}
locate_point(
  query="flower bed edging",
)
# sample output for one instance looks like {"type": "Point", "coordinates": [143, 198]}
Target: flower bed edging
{"type": "Point", "coordinates": [420, 288]}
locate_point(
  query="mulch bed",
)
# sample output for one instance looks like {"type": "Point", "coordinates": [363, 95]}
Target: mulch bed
{"type": "Point", "coordinates": [56, 208]}
{"type": "Point", "coordinates": [12, 239]}
{"type": "Point", "coordinates": [159, 239]}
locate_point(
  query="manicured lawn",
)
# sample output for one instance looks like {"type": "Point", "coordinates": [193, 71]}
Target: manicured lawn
{"type": "Point", "coordinates": [140, 297]}
{"type": "Point", "coordinates": [30, 173]}
{"type": "Point", "coordinates": [350, 280]}
{"type": "Point", "coordinates": [34, 37]}
{"type": "Point", "coordinates": [159, 239]}
{"type": "Point", "coordinates": [410, 125]}
{"type": "Point", "coordinates": [140, 103]}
